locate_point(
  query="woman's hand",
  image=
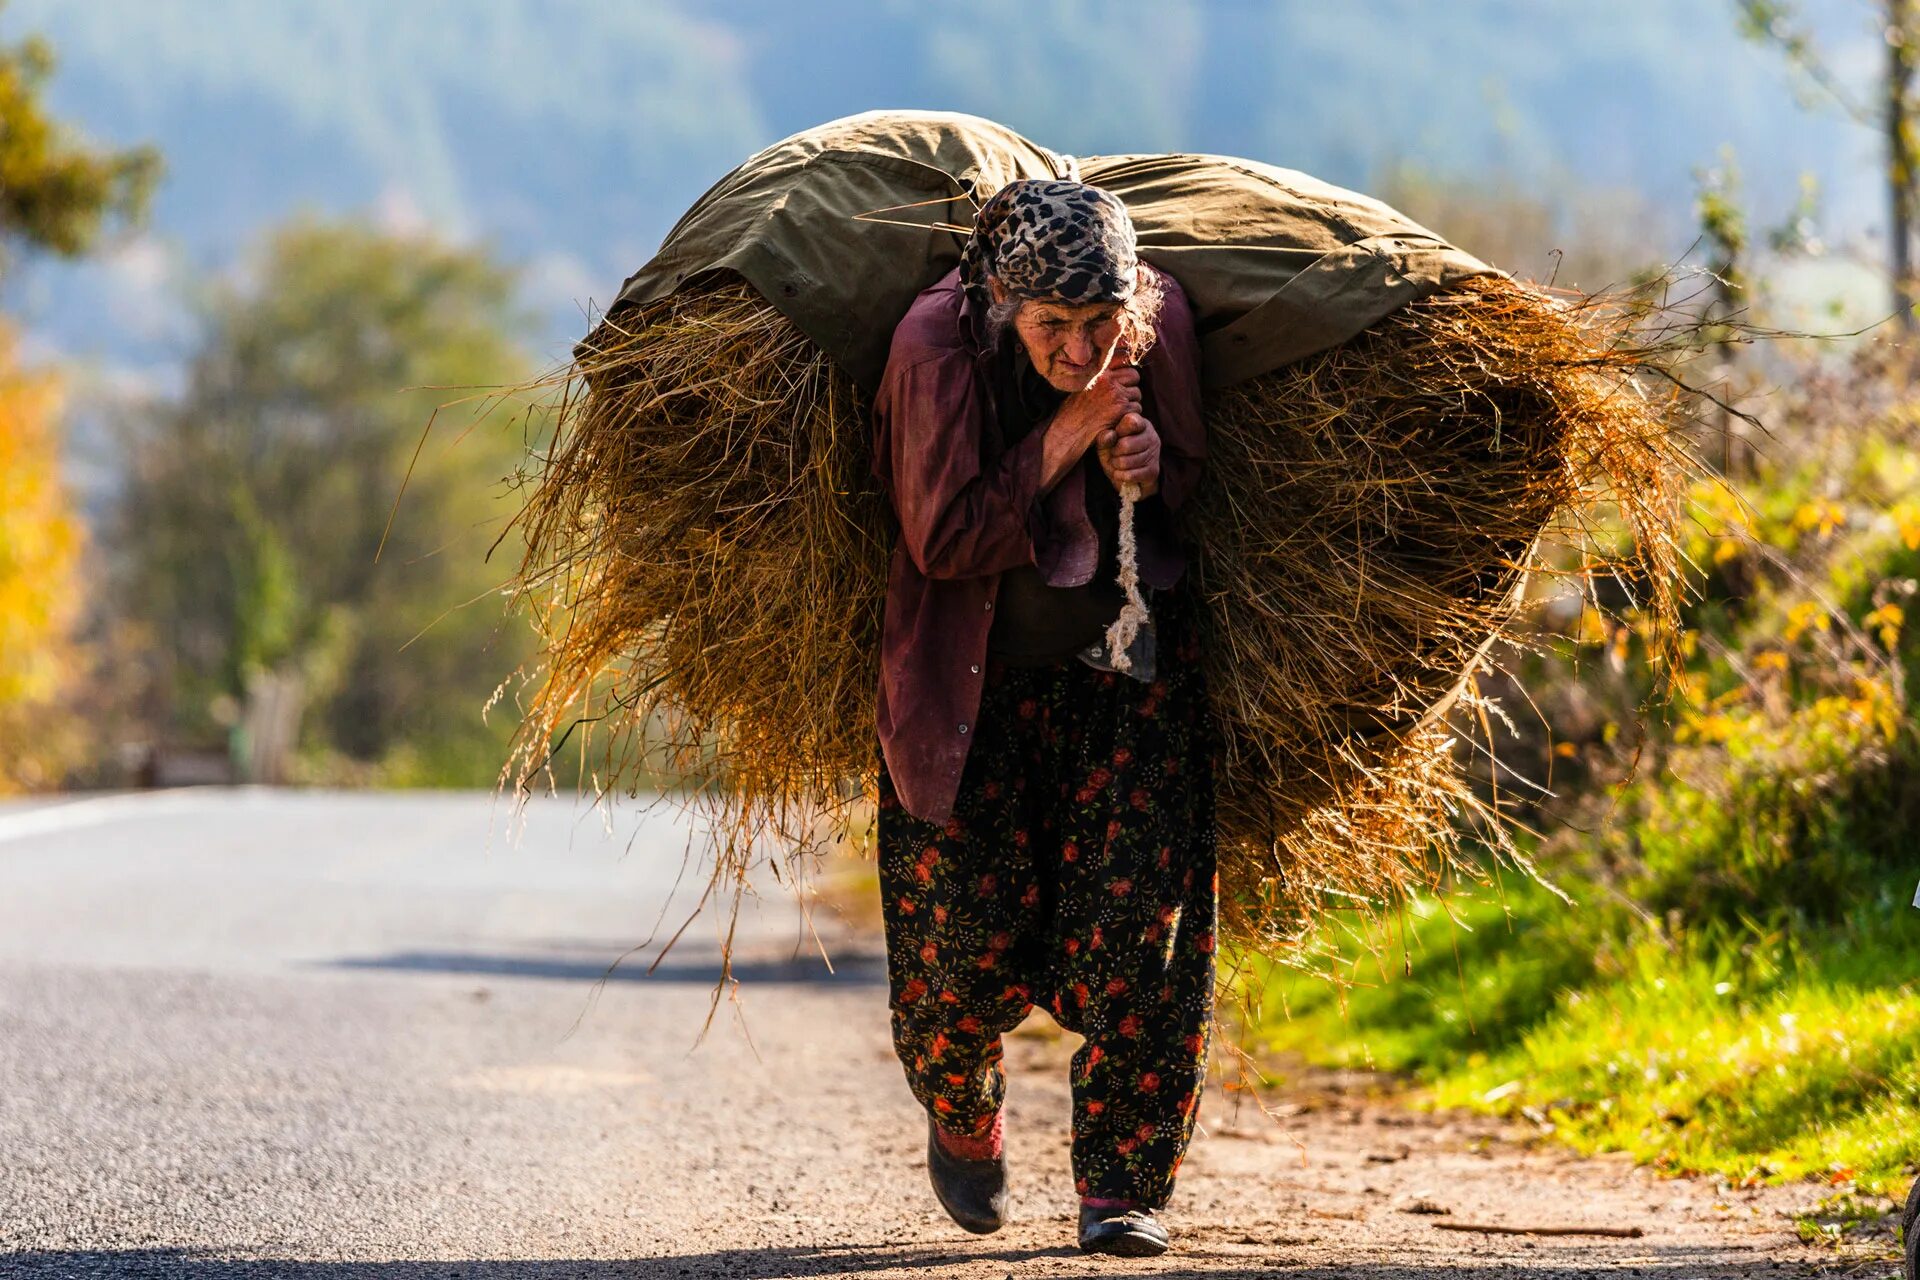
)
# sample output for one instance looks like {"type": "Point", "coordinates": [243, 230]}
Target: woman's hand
{"type": "Point", "coordinates": [1130, 454]}
{"type": "Point", "coordinates": [1085, 416]}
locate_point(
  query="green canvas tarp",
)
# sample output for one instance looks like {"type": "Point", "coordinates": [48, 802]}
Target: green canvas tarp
{"type": "Point", "coordinates": [1277, 265]}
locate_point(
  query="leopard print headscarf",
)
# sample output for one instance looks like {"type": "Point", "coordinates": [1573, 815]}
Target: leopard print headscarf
{"type": "Point", "coordinates": [1046, 238]}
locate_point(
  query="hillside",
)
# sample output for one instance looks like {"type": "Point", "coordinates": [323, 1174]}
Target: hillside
{"type": "Point", "coordinates": [571, 133]}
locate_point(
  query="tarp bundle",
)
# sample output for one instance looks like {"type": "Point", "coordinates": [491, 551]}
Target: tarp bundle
{"type": "Point", "coordinates": [1277, 265]}
{"type": "Point", "coordinates": [1393, 425]}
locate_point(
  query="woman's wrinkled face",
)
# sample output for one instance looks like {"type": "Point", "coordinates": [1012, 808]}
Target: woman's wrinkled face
{"type": "Point", "coordinates": [1070, 344]}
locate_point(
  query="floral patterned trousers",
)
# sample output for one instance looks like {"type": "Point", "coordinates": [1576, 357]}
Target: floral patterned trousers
{"type": "Point", "coordinates": [1076, 873]}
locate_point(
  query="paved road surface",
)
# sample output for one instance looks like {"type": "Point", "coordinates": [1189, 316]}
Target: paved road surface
{"type": "Point", "coordinates": [249, 1035]}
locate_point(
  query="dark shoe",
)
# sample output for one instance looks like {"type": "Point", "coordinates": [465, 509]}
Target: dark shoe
{"type": "Point", "coordinates": [1910, 1224]}
{"type": "Point", "coordinates": [973, 1192]}
{"type": "Point", "coordinates": [1126, 1233]}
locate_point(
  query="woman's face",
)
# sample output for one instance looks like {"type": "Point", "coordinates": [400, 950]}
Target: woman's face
{"type": "Point", "coordinates": [1070, 344]}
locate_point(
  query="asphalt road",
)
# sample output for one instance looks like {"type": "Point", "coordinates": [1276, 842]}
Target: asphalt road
{"type": "Point", "coordinates": [248, 1035]}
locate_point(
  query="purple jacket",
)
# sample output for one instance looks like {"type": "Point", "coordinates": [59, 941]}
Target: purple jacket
{"type": "Point", "coordinates": [970, 509]}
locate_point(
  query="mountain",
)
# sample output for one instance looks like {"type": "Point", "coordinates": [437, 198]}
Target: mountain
{"type": "Point", "coordinates": [571, 133]}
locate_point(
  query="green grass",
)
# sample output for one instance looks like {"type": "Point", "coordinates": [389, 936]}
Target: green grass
{"type": "Point", "coordinates": [1758, 1055]}
{"type": "Point", "coordinates": [1736, 990]}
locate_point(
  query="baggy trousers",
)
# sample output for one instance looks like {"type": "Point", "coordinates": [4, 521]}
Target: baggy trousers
{"type": "Point", "coordinates": [1076, 873]}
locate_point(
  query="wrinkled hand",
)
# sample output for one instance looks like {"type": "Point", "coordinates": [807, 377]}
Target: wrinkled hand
{"type": "Point", "coordinates": [1129, 453]}
{"type": "Point", "coordinates": [1086, 416]}
{"type": "Point", "coordinates": [1113, 395]}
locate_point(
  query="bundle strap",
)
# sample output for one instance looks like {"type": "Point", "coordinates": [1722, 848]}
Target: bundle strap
{"type": "Point", "coordinates": [1133, 614]}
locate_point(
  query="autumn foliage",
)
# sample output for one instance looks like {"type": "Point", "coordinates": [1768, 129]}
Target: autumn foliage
{"type": "Point", "coordinates": [39, 580]}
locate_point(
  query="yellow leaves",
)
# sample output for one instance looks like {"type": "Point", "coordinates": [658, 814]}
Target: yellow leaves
{"type": "Point", "coordinates": [1724, 519]}
{"type": "Point", "coordinates": [1720, 508]}
{"type": "Point", "coordinates": [1820, 516]}
{"type": "Point", "coordinates": [1711, 728]}
{"type": "Point", "coordinates": [1885, 622]}
{"type": "Point", "coordinates": [1807, 616]}
{"type": "Point", "coordinates": [1872, 704]}
{"type": "Point", "coordinates": [1594, 630]}
{"type": "Point", "coordinates": [1906, 518]}
{"type": "Point", "coordinates": [1876, 703]}
{"type": "Point", "coordinates": [1617, 647]}
{"type": "Point", "coordinates": [39, 554]}
{"type": "Point", "coordinates": [1717, 721]}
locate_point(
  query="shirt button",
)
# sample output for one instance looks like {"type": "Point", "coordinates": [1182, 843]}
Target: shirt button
{"type": "Point", "coordinates": [975, 668]}
{"type": "Point", "coordinates": [963, 728]}
{"type": "Point", "coordinates": [989, 606]}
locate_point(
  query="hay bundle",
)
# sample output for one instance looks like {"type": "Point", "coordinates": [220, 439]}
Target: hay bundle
{"type": "Point", "coordinates": [1370, 517]}
{"type": "Point", "coordinates": [707, 558]}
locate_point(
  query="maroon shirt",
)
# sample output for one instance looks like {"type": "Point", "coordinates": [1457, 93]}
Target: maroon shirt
{"type": "Point", "coordinates": [970, 509]}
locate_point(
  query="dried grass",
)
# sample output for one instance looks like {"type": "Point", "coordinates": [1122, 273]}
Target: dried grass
{"type": "Point", "coordinates": [1370, 519]}
{"type": "Point", "coordinates": [707, 558]}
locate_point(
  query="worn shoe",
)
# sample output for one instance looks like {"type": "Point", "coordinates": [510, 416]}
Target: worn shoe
{"type": "Point", "coordinates": [1124, 1232]}
{"type": "Point", "coordinates": [973, 1192]}
{"type": "Point", "coordinates": [1910, 1225]}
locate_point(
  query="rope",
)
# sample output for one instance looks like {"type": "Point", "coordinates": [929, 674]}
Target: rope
{"type": "Point", "coordinates": [1133, 613]}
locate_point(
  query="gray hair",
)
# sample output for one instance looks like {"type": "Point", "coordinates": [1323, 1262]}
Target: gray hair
{"type": "Point", "coordinates": [1000, 318]}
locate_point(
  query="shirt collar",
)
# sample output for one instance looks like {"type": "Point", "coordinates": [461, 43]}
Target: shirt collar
{"type": "Point", "coordinates": [973, 322]}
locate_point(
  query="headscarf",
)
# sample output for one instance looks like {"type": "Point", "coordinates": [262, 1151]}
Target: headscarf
{"type": "Point", "coordinates": [1047, 238]}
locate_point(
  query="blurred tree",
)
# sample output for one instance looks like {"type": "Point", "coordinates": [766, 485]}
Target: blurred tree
{"type": "Point", "coordinates": [256, 503]}
{"type": "Point", "coordinates": [1893, 108]}
{"type": "Point", "coordinates": [1723, 230]}
{"type": "Point", "coordinates": [58, 192]}
{"type": "Point", "coordinates": [1739, 283]}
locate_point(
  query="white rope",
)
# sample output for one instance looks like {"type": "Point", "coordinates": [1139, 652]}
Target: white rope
{"type": "Point", "coordinates": [1133, 613]}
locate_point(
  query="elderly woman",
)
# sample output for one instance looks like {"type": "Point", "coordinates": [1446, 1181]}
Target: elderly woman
{"type": "Point", "coordinates": [1046, 829]}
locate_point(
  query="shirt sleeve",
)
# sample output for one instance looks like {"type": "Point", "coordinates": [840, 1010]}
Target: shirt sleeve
{"type": "Point", "coordinates": [959, 517]}
{"type": "Point", "coordinates": [1171, 374]}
